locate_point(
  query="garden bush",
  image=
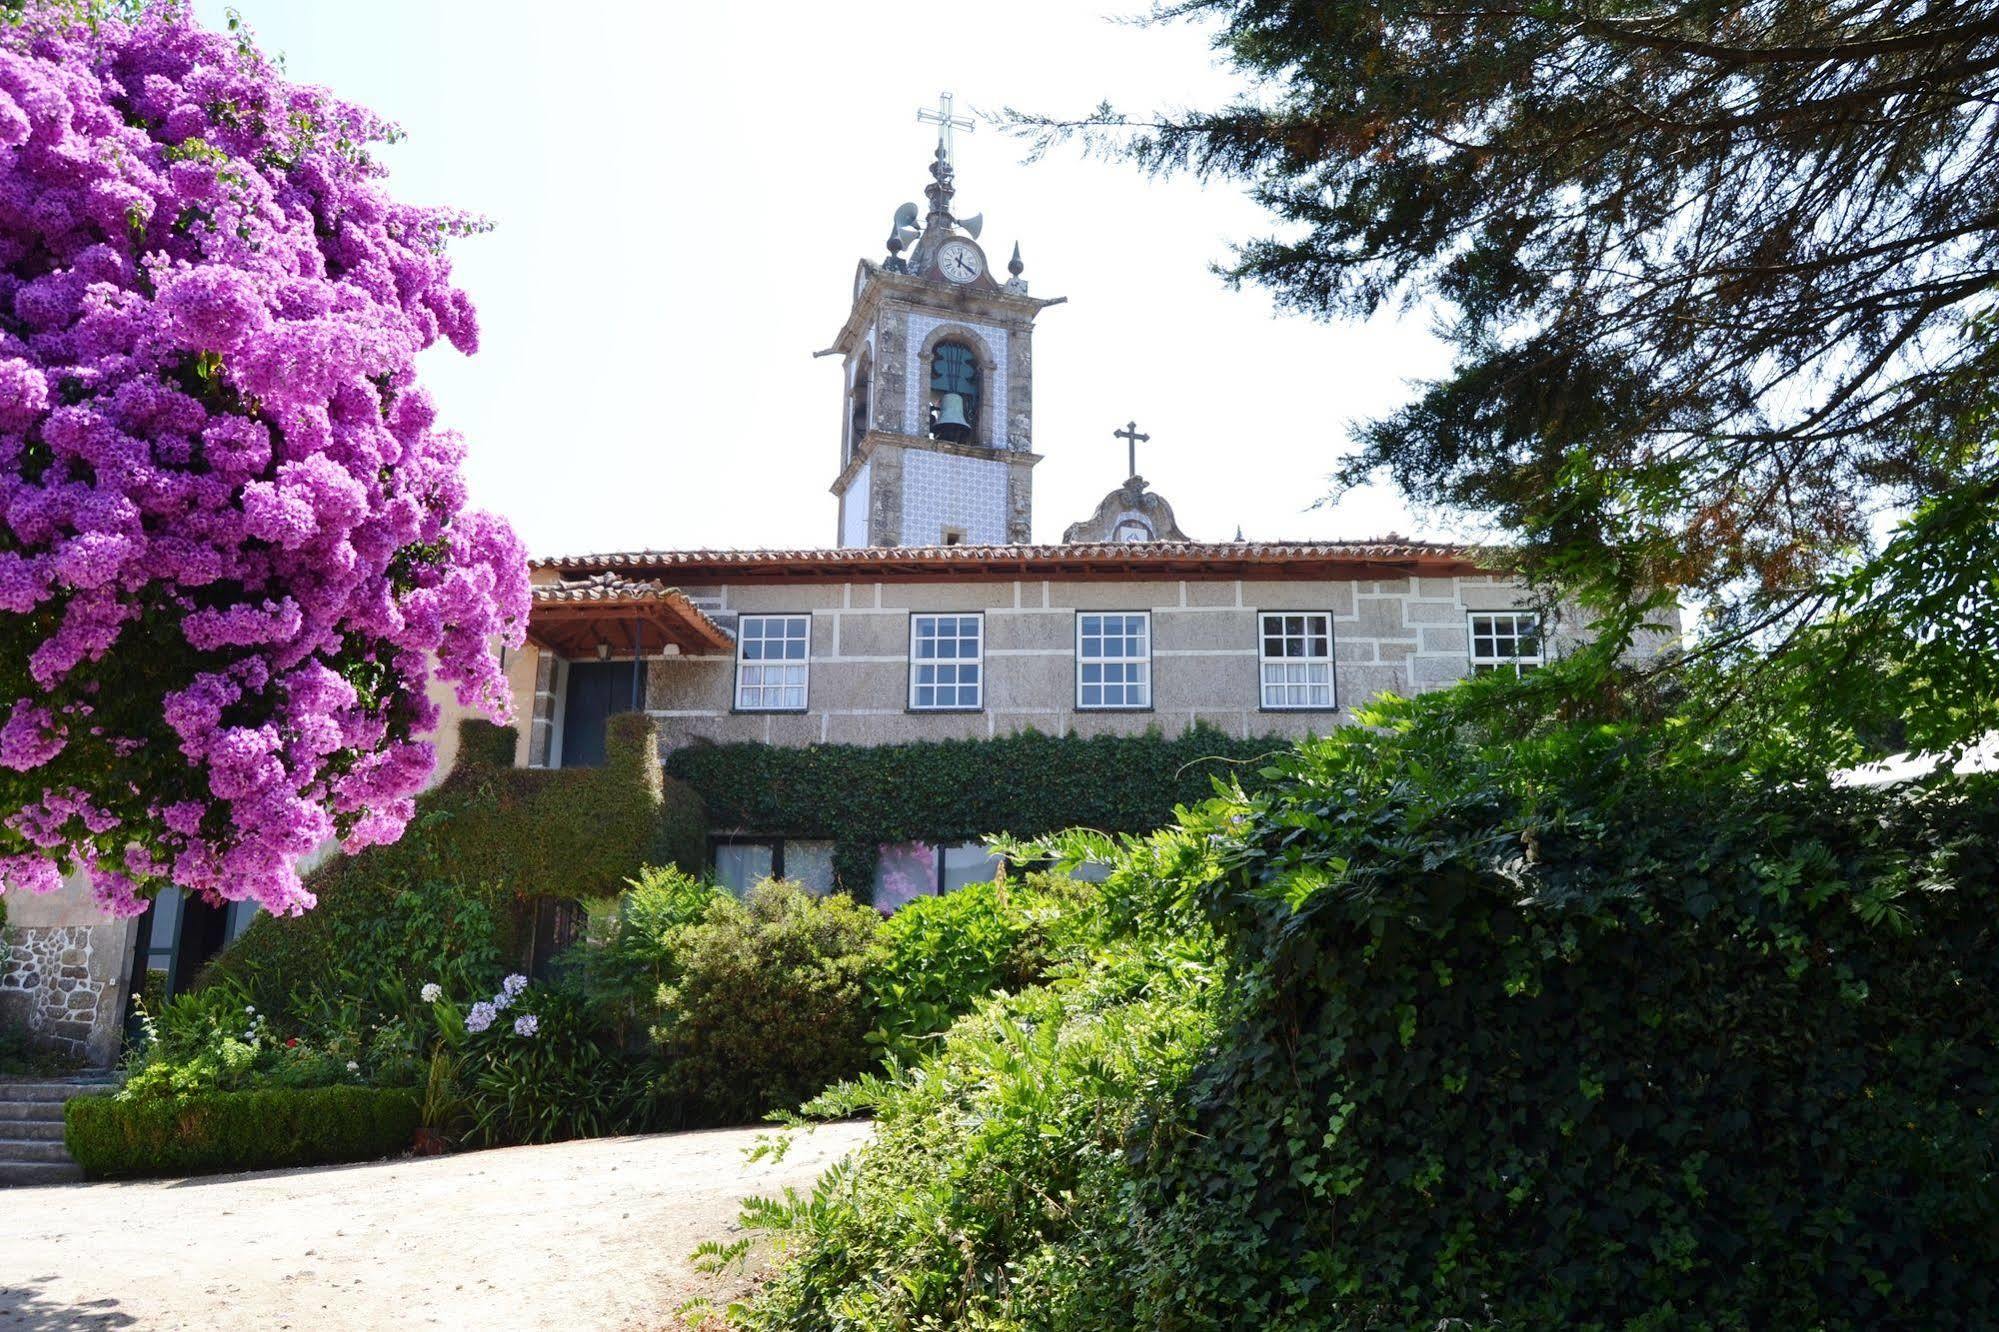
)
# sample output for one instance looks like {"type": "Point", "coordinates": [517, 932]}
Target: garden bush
{"type": "Point", "coordinates": [457, 892]}
{"type": "Point", "coordinates": [626, 968]}
{"type": "Point", "coordinates": [770, 1004]}
{"type": "Point", "coordinates": [1558, 1028]}
{"type": "Point", "coordinates": [111, 1136]}
{"type": "Point", "coordinates": [939, 955]}
{"type": "Point", "coordinates": [567, 1080]}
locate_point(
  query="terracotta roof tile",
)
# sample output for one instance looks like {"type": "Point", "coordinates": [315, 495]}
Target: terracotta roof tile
{"type": "Point", "coordinates": [1130, 558]}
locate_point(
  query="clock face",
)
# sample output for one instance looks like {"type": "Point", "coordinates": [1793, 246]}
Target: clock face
{"type": "Point", "coordinates": [960, 261]}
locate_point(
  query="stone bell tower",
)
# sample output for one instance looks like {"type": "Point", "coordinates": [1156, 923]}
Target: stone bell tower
{"type": "Point", "coordinates": [936, 431]}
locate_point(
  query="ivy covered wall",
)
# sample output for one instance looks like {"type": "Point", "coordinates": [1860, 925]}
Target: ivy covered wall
{"type": "Point", "coordinates": [862, 797]}
{"type": "Point", "coordinates": [505, 835]}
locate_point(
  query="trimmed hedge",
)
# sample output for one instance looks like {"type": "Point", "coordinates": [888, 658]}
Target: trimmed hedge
{"type": "Point", "coordinates": [244, 1130]}
{"type": "Point", "coordinates": [503, 835]}
{"type": "Point", "coordinates": [1028, 784]}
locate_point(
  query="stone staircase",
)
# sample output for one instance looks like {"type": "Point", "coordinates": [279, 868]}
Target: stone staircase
{"type": "Point", "coordinates": [31, 1150]}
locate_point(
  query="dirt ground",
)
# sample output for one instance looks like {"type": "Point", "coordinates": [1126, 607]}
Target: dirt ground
{"type": "Point", "coordinates": [580, 1235]}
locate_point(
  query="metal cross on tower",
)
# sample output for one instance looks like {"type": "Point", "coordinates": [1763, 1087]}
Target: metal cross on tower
{"type": "Point", "coordinates": [1133, 439]}
{"type": "Point", "coordinates": [946, 122]}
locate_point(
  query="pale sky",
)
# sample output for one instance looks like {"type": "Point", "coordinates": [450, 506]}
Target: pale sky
{"type": "Point", "coordinates": [681, 192]}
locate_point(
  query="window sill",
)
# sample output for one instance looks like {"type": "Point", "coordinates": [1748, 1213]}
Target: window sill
{"type": "Point", "coordinates": [768, 712]}
{"type": "Point", "coordinates": [941, 712]}
{"type": "Point", "coordinates": [1307, 710]}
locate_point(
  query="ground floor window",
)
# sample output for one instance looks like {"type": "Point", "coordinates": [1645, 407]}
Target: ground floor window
{"type": "Point", "coordinates": [905, 871]}
{"type": "Point", "coordinates": [743, 862]}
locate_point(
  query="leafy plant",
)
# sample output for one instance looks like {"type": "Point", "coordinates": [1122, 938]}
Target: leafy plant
{"type": "Point", "coordinates": [770, 1004]}
{"type": "Point", "coordinates": [937, 956]}
{"type": "Point", "coordinates": [1498, 1027]}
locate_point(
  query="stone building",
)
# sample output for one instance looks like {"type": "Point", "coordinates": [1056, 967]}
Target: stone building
{"type": "Point", "coordinates": [935, 616]}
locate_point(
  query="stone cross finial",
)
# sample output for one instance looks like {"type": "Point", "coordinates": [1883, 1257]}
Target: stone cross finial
{"type": "Point", "coordinates": [1133, 439]}
{"type": "Point", "coordinates": [946, 122]}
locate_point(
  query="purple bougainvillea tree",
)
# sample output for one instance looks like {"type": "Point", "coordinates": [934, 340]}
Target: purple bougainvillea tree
{"type": "Point", "coordinates": [234, 546]}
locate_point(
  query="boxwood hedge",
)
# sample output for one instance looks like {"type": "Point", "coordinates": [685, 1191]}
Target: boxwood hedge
{"type": "Point", "coordinates": [243, 1130]}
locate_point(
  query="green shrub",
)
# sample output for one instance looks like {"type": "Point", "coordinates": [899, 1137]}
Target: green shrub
{"type": "Point", "coordinates": [770, 1004]}
{"type": "Point", "coordinates": [939, 955]}
{"type": "Point", "coordinates": [460, 885]}
{"type": "Point", "coordinates": [865, 796]}
{"type": "Point", "coordinates": [1543, 1029]}
{"type": "Point", "coordinates": [563, 1082]}
{"type": "Point", "coordinates": [1010, 1143]}
{"type": "Point", "coordinates": [243, 1130]}
{"type": "Point", "coordinates": [636, 956]}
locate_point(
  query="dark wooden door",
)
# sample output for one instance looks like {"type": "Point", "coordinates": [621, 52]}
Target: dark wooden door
{"type": "Point", "coordinates": [592, 696]}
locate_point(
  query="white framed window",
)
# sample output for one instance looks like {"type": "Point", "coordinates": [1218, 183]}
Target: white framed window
{"type": "Point", "coordinates": [1114, 659]}
{"type": "Point", "coordinates": [1297, 659]}
{"type": "Point", "coordinates": [772, 660]}
{"type": "Point", "coordinates": [946, 663]}
{"type": "Point", "coordinates": [1505, 638]}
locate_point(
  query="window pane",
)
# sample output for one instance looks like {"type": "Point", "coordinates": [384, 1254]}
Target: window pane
{"type": "Point", "coordinates": [904, 872]}
{"type": "Point", "coordinates": [741, 865]}
{"type": "Point", "coordinates": [810, 863]}
{"type": "Point", "coordinates": [968, 863]}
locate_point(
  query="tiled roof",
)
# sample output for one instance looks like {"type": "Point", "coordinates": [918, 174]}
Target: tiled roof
{"type": "Point", "coordinates": [1128, 559]}
{"type": "Point", "coordinates": [668, 606]}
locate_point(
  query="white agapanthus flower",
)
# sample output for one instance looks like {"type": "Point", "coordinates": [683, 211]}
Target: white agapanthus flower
{"type": "Point", "coordinates": [353, 1067]}
{"type": "Point", "coordinates": [432, 992]}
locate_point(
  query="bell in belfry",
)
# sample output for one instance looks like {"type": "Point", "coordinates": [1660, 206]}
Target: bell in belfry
{"type": "Point", "coordinates": [951, 422]}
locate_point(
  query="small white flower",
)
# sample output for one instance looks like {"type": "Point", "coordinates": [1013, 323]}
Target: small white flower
{"type": "Point", "coordinates": [432, 992]}
{"type": "Point", "coordinates": [353, 1067]}
{"type": "Point", "coordinates": [249, 1008]}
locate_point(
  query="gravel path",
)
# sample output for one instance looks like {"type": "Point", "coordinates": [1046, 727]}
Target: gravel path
{"type": "Point", "coordinates": [580, 1235]}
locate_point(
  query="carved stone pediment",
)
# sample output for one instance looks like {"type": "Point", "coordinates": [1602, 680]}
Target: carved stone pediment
{"type": "Point", "coordinates": [1129, 513]}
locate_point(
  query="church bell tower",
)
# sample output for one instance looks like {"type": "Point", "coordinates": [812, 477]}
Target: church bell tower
{"type": "Point", "coordinates": [936, 434]}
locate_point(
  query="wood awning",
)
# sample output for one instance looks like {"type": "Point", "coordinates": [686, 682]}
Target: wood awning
{"type": "Point", "coordinates": [573, 617]}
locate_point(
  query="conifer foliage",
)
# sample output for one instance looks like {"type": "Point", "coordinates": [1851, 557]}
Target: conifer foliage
{"type": "Point", "coordinates": [1712, 271]}
{"type": "Point", "coordinates": [234, 546]}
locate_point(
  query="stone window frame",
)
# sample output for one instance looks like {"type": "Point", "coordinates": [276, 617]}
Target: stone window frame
{"type": "Point", "coordinates": [909, 697]}
{"type": "Point", "coordinates": [984, 430]}
{"type": "Point", "coordinates": [1329, 660]}
{"type": "Point", "coordinates": [1145, 662]}
{"type": "Point", "coordinates": [1483, 663]}
{"type": "Point", "coordinates": [804, 663]}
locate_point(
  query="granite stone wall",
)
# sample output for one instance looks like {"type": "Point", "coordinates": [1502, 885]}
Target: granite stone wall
{"type": "Point", "coordinates": [53, 986]}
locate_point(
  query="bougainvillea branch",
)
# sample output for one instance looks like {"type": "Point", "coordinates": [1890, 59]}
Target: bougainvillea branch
{"type": "Point", "coordinates": [234, 546]}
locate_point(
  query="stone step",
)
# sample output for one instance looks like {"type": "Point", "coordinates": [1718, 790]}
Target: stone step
{"type": "Point", "coordinates": [41, 1111]}
{"type": "Point", "coordinates": [31, 1130]}
{"type": "Point", "coordinates": [22, 1150]}
{"type": "Point", "coordinates": [30, 1174]}
{"type": "Point", "coordinates": [57, 1090]}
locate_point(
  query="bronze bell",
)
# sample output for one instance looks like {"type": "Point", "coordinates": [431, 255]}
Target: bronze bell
{"type": "Point", "coordinates": [951, 422]}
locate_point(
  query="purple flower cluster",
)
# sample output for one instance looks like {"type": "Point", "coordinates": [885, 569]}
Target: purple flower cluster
{"type": "Point", "coordinates": [234, 546]}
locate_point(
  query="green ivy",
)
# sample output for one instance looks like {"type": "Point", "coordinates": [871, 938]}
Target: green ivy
{"type": "Point", "coordinates": [862, 797]}
{"type": "Point", "coordinates": [488, 842]}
